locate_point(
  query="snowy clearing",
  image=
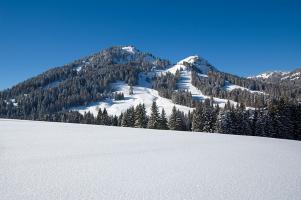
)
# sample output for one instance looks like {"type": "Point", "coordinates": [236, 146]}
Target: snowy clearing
{"type": "Point", "coordinates": [141, 95]}
{"type": "Point", "coordinates": [230, 87]}
{"type": "Point", "coordinates": [42, 160]}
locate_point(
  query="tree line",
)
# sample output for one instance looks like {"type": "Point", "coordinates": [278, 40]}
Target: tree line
{"type": "Point", "coordinates": [281, 119]}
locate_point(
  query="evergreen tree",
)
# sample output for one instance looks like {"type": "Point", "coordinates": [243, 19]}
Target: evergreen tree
{"type": "Point", "coordinates": [175, 121]}
{"type": "Point", "coordinates": [197, 121]}
{"type": "Point", "coordinates": [125, 119]}
{"type": "Point", "coordinates": [115, 121]}
{"type": "Point", "coordinates": [154, 119]}
{"type": "Point", "coordinates": [120, 119]}
{"type": "Point", "coordinates": [140, 116]}
{"type": "Point", "coordinates": [163, 121]}
{"type": "Point", "coordinates": [105, 117]}
{"type": "Point", "coordinates": [88, 118]}
{"type": "Point", "coordinates": [208, 118]}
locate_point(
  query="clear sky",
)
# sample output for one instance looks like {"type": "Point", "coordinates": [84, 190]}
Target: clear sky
{"type": "Point", "coordinates": [240, 37]}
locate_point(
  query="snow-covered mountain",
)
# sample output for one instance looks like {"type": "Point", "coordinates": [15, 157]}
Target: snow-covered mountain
{"type": "Point", "coordinates": [143, 92]}
{"type": "Point", "coordinates": [269, 75]}
{"type": "Point", "coordinates": [91, 82]}
{"type": "Point", "coordinates": [277, 76]}
{"type": "Point", "coordinates": [199, 63]}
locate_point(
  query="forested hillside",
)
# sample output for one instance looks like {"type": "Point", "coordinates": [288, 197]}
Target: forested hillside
{"type": "Point", "coordinates": [191, 95]}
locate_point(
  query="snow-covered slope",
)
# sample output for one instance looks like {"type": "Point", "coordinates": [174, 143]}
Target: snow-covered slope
{"type": "Point", "coordinates": [193, 61]}
{"type": "Point", "coordinates": [42, 160]}
{"type": "Point", "coordinates": [185, 84]}
{"type": "Point", "coordinates": [230, 87]}
{"type": "Point", "coordinates": [267, 75]}
{"type": "Point", "coordinates": [277, 76]}
{"type": "Point", "coordinates": [142, 94]}
{"type": "Point", "coordinates": [273, 75]}
{"type": "Point", "coordinates": [185, 77]}
{"type": "Point", "coordinates": [292, 76]}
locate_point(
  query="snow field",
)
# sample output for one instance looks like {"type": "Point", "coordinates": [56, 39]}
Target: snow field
{"type": "Point", "coordinates": [42, 160]}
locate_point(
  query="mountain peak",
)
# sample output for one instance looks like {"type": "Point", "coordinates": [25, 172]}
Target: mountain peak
{"type": "Point", "coordinates": [198, 62]}
{"type": "Point", "coordinates": [189, 59]}
{"type": "Point", "coordinates": [130, 49]}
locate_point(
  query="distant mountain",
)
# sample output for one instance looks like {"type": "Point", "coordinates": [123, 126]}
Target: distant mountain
{"type": "Point", "coordinates": [278, 76]}
{"type": "Point", "coordinates": [273, 75]}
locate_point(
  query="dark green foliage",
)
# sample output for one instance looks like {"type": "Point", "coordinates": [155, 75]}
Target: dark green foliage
{"type": "Point", "coordinates": [163, 120]}
{"type": "Point", "coordinates": [175, 120]}
{"type": "Point", "coordinates": [154, 119]}
{"type": "Point", "coordinates": [128, 118]}
{"type": "Point", "coordinates": [140, 116]}
{"type": "Point", "coordinates": [118, 96]}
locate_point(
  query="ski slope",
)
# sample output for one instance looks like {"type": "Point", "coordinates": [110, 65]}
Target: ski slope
{"type": "Point", "coordinates": [42, 160]}
{"type": "Point", "coordinates": [185, 84]}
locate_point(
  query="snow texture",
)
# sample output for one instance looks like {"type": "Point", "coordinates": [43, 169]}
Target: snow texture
{"type": "Point", "coordinates": [42, 160]}
{"type": "Point", "coordinates": [200, 63]}
{"type": "Point", "coordinates": [142, 94]}
{"type": "Point", "coordinates": [129, 49]}
{"type": "Point", "coordinates": [293, 76]}
{"type": "Point", "coordinates": [230, 87]}
{"type": "Point", "coordinates": [268, 75]}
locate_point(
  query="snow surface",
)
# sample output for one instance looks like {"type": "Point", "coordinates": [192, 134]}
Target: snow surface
{"type": "Point", "coordinates": [267, 75]}
{"type": "Point", "coordinates": [42, 160]}
{"type": "Point", "coordinates": [129, 49]}
{"type": "Point", "coordinates": [13, 101]}
{"type": "Point", "coordinates": [196, 61]}
{"type": "Point", "coordinates": [142, 94]}
{"type": "Point", "coordinates": [230, 87]}
{"type": "Point", "coordinates": [78, 69]}
{"type": "Point", "coordinates": [293, 76]}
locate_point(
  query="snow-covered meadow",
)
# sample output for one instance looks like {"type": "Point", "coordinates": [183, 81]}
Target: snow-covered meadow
{"type": "Point", "coordinates": [42, 160]}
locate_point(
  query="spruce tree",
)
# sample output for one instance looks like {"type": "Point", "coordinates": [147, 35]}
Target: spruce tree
{"type": "Point", "coordinates": [99, 117]}
{"type": "Point", "coordinates": [140, 116]}
{"type": "Point", "coordinates": [154, 119]}
{"type": "Point", "coordinates": [105, 117]}
{"type": "Point", "coordinates": [175, 121]}
{"type": "Point", "coordinates": [131, 116]}
{"type": "Point", "coordinates": [115, 121]}
{"type": "Point", "coordinates": [197, 121]}
{"type": "Point", "coordinates": [88, 118]}
{"type": "Point", "coordinates": [163, 120]}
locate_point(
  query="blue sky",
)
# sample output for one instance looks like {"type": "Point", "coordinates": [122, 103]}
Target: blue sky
{"type": "Point", "coordinates": [240, 37]}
